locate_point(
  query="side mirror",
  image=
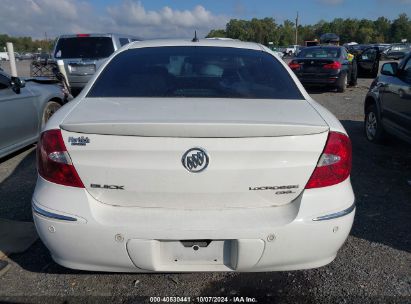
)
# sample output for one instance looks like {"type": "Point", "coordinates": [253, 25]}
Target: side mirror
{"type": "Point", "coordinates": [389, 69]}
{"type": "Point", "coordinates": [16, 84]}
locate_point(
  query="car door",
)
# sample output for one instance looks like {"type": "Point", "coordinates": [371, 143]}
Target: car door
{"type": "Point", "coordinates": [19, 121]}
{"type": "Point", "coordinates": [368, 62]}
{"type": "Point", "coordinates": [397, 99]}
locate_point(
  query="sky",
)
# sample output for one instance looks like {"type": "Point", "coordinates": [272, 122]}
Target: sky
{"type": "Point", "coordinates": [178, 18]}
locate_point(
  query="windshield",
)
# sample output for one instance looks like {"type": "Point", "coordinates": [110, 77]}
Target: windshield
{"type": "Point", "coordinates": [320, 53]}
{"type": "Point", "coordinates": [195, 72]}
{"type": "Point", "coordinates": [84, 47]}
{"type": "Point", "coordinates": [399, 48]}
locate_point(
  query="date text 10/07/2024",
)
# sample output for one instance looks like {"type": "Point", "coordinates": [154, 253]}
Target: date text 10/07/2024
{"type": "Point", "coordinates": [234, 299]}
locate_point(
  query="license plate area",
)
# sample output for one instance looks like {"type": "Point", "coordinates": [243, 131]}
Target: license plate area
{"type": "Point", "coordinates": [82, 69]}
{"type": "Point", "coordinates": [197, 255]}
{"type": "Point", "coordinates": [193, 252]}
{"type": "Point", "coordinates": [311, 68]}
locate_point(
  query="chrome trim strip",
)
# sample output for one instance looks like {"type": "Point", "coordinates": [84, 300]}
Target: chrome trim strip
{"type": "Point", "coordinates": [51, 215]}
{"type": "Point", "coordinates": [335, 215]}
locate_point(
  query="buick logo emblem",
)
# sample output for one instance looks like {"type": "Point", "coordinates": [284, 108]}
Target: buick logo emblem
{"type": "Point", "coordinates": [195, 160]}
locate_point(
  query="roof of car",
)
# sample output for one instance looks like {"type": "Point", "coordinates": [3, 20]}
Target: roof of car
{"type": "Point", "coordinates": [323, 47]}
{"type": "Point", "coordinates": [96, 35]}
{"type": "Point", "coordinates": [200, 42]}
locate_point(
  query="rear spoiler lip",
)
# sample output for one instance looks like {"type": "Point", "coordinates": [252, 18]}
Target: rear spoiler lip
{"type": "Point", "coordinates": [173, 130]}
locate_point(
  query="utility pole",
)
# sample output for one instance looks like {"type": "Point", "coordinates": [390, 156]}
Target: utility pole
{"type": "Point", "coordinates": [296, 29]}
{"type": "Point", "coordinates": [46, 44]}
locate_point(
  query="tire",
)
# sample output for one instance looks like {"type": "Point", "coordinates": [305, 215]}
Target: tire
{"type": "Point", "coordinates": [373, 128]}
{"type": "Point", "coordinates": [342, 83]}
{"type": "Point", "coordinates": [290, 53]}
{"type": "Point", "coordinates": [49, 110]}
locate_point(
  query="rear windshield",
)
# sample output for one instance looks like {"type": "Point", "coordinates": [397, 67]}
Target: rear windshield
{"type": "Point", "coordinates": [320, 53]}
{"type": "Point", "coordinates": [195, 72]}
{"type": "Point", "coordinates": [84, 47]}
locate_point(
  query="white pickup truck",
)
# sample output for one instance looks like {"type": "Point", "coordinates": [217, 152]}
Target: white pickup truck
{"type": "Point", "coordinates": [4, 56]}
{"type": "Point", "coordinates": [291, 49]}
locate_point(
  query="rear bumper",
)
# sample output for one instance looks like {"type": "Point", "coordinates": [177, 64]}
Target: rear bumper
{"type": "Point", "coordinates": [78, 82]}
{"type": "Point", "coordinates": [318, 78]}
{"type": "Point", "coordinates": [106, 238]}
{"type": "Point", "coordinates": [319, 81]}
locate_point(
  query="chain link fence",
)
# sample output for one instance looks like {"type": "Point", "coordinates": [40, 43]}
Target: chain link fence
{"type": "Point", "coordinates": [43, 68]}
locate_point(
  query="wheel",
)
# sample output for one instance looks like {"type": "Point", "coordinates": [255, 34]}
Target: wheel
{"type": "Point", "coordinates": [374, 130]}
{"type": "Point", "coordinates": [342, 83]}
{"type": "Point", "coordinates": [290, 53]}
{"type": "Point", "coordinates": [49, 110]}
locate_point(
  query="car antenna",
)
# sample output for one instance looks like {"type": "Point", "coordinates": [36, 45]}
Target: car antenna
{"type": "Point", "coordinates": [195, 39]}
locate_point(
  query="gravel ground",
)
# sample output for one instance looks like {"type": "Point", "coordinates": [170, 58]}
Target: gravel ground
{"type": "Point", "coordinates": [23, 67]}
{"type": "Point", "coordinates": [374, 265]}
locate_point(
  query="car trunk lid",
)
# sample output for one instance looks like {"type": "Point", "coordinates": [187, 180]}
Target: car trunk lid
{"type": "Point", "coordinates": [313, 65]}
{"type": "Point", "coordinates": [182, 117]}
{"type": "Point", "coordinates": [130, 152]}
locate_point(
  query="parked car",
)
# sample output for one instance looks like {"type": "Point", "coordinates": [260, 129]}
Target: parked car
{"type": "Point", "coordinates": [325, 66]}
{"type": "Point", "coordinates": [83, 54]}
{"type": "Point", "coordinates": [397, 51]}
{"type": "Point", "coordinates": [201, 155]}
{"type": "Point", "coordinates": [291, 50]}
{"type": "Point", "coordinates": [43, 56]}
{"type": "Point", "coordinates": [276, 51]}
{"type": "Point", "coordinates": [25, 107]}
{"type": "Point", "coordinates": [4, 56]}
{"type": "Point", "coordinates": [17, 56]}
{"type": "Point", "coordinates": [382, 46]}
{"type": "Point", "coordinates": [26, 56]}
{"type": "Point", "coordinates": [387, 105]}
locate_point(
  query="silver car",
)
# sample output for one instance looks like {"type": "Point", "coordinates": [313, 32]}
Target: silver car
{"type": "Point", "coordinates": [25, 107]}
{"type": "Point", "coordinates": [83, 54]}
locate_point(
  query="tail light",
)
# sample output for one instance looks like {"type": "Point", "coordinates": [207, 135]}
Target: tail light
{"type": "Point", "coordinates": [83, 35]}
{"type": "Point", "coordinates": [53, 161]}
{"type": "Point", "coordinates": [294, 65]}
{"type": "Point", "coordinates": [336, 65]}
{"type": "Point", "coordinates": [334, 165]}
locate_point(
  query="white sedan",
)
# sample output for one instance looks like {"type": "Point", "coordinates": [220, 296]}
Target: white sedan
{"type": "Point", "coordinates": [195, 155]}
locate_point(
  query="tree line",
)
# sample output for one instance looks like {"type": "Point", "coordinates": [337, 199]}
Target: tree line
{"type": "Point", "coordinates": [25, 44]}
{"type": "Point", "coordinates": [381, 30]}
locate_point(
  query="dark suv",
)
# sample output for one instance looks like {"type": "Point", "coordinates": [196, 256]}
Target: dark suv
{"type": "Point", "coordinates": [388, 102]}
